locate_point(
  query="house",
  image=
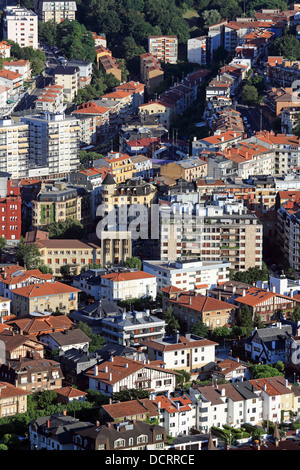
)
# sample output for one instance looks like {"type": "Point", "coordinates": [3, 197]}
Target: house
{"type": "Point", "coordinates": [74, 363]}
{"type": "Point", "coordinates": [37, 326]}
{"type": "Point", "coordinates": [50, 296]}
{"type": "Point", "coordinates": [176, 414]}
{"type": "Point", "coordinates": [13, 277]}
{"type": "Point", "coordinates": [140, 409]}
{"type": "Point", "coordinates": [232, 370]}
{"type": "Point", "coordinates": [129, 435]}
{"type": "Point", "coordinates": [122, 373]}
{"type": "Point", "coordinates": [67, 395]}
{"type": "Point", "coordinates": [19, 346]}
{"type": "Point", "coordinates": [11, 80]}
{"type": "Point", "coordinates": [132, 328]}
{"type": "Point", "coordinates": [190, 352]}
{"type": "Point", "coordinates": [89, 282]}
{"type": "Point", "coordinates": [128, 285]}
{"type": "Point", "coordinates": [93, 314]}
{"type": "Point", "coordinates": [269, 345]}
{"type": "Point", "coordinates": [68, 78]}
{"type": "Point", "coordinates": [65, 340]}
{"type": "Point", "coordinates": [32, 374]}
{"type": "Point", "coordinates": [13, 400]}
{"type": "Point", "coordinates": [22, 67]}
{"type": "Point", "coordinates": [54, 432]}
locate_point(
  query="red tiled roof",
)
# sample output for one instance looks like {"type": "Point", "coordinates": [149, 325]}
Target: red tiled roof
{"type": "Point", "coordinates": [48, 288]}
{"type": "Point", "coordinates": [131, 276]}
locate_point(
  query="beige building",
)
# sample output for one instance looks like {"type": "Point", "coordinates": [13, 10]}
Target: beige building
{"type": "Point", "coordinates": [151, 72]}
{"type": "Point", "coordinates": [68, 77]}
{"type": "Point", "coordinates": [165, 48]}
{"type": "Point", "coordinates": [50, 296]}
{"type": "Point", "coordinates": [14, 148]}
{"type": "Point", "coordinates": [188, 169]}
{"type": "Point", "coordinates": [158, 112]}
{"type": "Point", "coordinates": [13, 400]}
{"type": "Point", "coordinates": [56, 10]}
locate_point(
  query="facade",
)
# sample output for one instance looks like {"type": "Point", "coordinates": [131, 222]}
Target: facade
{"type": "Point", "coordinates": [10, 209]}
{"type": "Point", "coordinates": [14, 148]}
{"type": "Point", "coordinates": [188, 275]}
{"type": "Point", "coordinates": [13, 400]}
{"type": "Point", "coordinates": [65, 340]}
{"type": "Point", "coordinates": [51, 100]}
{"type": "Point", "coordinates": [11, 80]}
{"type": "Point", "coordinates": [132, 329]}
{"type": "Point", "coordinates": [190, 352]}
{"type": "Point", "coordinates": [269, 345]}
{"type": "Point", "coordinates": [53, 144]}
{"type": "Point", "coordinates": [198, 50]}
{"type": "Point", "coordinates": [122, 373]}
{"type": "Point", "coordinates": [56, 11]}
{"type": "Point", "coordinates": [94, 121]}
{"type": "Point", "coordinates": [164, 48]}
{"type": "Point", "coordinates": [68, 78]}
{"type": "Point", "coordinates": [150, 71]}
{"type": "Point", "coordinates": [128, 285]}
{"type": "Point", "coordinates": [21, 26]}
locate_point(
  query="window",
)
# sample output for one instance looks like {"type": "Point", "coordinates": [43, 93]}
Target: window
{"type": "Point", "coordinates": [142, 438]}
{"type": "Point", "coordinates": [119, 443]}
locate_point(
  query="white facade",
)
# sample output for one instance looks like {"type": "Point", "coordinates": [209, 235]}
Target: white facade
{"type": "Point", "coordinates": [124, 287]}
{"type": "Point", "coordinates": [197, 50]}
{"type": "Point", "coordinates": [14, 143]}
{"type": "Point", "coordinates": [21, 26]}
{"type": "Point", "coordinates": [188, 275]}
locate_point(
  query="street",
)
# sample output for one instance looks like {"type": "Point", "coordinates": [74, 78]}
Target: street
{"type": "Point", "coordinates": [257, 120]}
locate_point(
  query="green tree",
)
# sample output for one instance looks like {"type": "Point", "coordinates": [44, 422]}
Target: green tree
{"type": "Point", "coordinates": [260, 371]}
{"type": "Point", "coordinates": [199, 329]}
{"type": "Point", "coordinates": [287, 46]}
{"type": "Point", "coordinates": [133, 263]}
{"type": "Point", "coordinates": [28, 255]}
{"type": "Point", "coordinates": [97, 341]}
{"type": "Point", "coordinates": [244, 318]}
{"type": "Point", "coordinates": [172, 324]}
{"type": "Point", "coordinates": [211, 17]}
{"type": "Point", "coordinates": [11, 441]}
{"type": "Point", "coordinates": [70, 228]}
{"type": "Point", "coordinates": [2, 244]}
{"type": "Point", "coordinates": [295, 316]}
{"type": "Point", "coordinates": [250, 95]}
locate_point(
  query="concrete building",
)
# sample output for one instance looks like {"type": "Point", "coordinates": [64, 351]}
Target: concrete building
{"type": "Point", "coordinates": [68, 78]}
{"type": "Point", "coordinates": [14, 148]}
{"type": "Point", "coordinates": [164, 48]}
{"type": "Point", "coordinates": [151, 72]}
{"type": "Point", "coordinates": [199, 50]}
{"type": "Point", "coordinates": [128, 285]}
{"type": "Point", "coordinates": [55, 11]}
{"type": "Point", "coordinates": [21, 26]}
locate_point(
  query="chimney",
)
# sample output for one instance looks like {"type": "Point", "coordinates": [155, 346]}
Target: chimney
{"type": "Point", "coordinates": [106, 369]}
{"type": "Point", "coordinates": [110, 377]}
{"type": "Point", "coordinates": [126, 365]}
{"type": "Point", "coordinates": [48, 423]}
{"type": "Point", "coordinates": [265, 387]}
{"type": "Point", "coordinates": [244, 292]}
{"type": "Point", "coordinates": [111, 358]}
{"type": "Point", "coordinates": [222, 392]}
{"type": "Point", "coordinates": [95, 371]}
{"type": "Point", "coordinates": [190, 300]}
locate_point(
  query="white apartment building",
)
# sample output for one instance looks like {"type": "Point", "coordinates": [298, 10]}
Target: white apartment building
{"type": "Point", "coordinates": [14, 148]}
{"type": "Point", "coordinates": [54, 142]}
{"type": "Point", "coordinates": [85, 71]}
{"type": "Point", "coordinates": [198, 50]}
{"type": "Point", "coordinates": [189, 352]}
{"type": "Point", "coordinates": [21, 26]}
{"type": "Point", "coordinates": [188, 275]}
{"type": "Point", "coordinates": [51, 99]}
{"type": "Point", "coordinates": [177, 414]}
{"type": "Point", "coordinates": [164, 48]}
{"type": "Point", "coordinates": [128, 285]}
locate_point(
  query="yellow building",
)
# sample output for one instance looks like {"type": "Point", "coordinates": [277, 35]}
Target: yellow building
{"type": "Point", "coordinates": [121, 165]}
{"type": "Point", "coordinates": [13, 400]}
{"type": "Point", "coordinates": [156, 112]}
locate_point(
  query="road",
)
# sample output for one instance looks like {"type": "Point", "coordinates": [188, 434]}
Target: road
{"type": "Point", "coordinates": [257, 120]}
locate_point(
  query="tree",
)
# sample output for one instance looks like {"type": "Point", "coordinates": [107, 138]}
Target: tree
{"type": "Point", "coordinates": [250, 95]}
{"type": "Point", "coordinates": [172, 324]}
{"type": "Point", "coordinates": [70, 228]}
{"type": "Point", "coordinates": [183, 378]}
{"type": "Point", "coordinates": [199, 329]}
{"type": "Point", "coordinates": [244, 318]}
{"type": "Point", "coordinates": [11, 441]}
{"type": "Point", "coordinates": [260, 371]}
{"type": "Point", "coordinates": [287, 46]}
{"type": "Point", "coordinates": [221, 332]}
{"type": "Point", "coordinates": [257, 321]}
{"type": "Point", "coordinates": [29, 255]}
{"type": "Point", "coordinates": [211, 17]}
{"type": "Point", "coordinates": [296, 314]}
{"type": "Point", "coordinates": [2, 244]}
{"type": "Point", "coordinates": [133, 263]}
{"type": "Point", "coordinates": [97, 341]}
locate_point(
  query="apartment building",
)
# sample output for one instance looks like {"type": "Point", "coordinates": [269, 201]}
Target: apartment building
{"type": "Point", "coordinates": [23, 67]}
{"type": "Point", "coordinates": [189, 169]}
{"type": "Point", "coordinates": [15, 276]}
{"type": "Point", "coordinates": [288, 226]}
{"type": "Point", "coordinates": [10, 208]}
{"type": "Point", "coordinates": [108, 64]}
{"type": "Point", "coordinates": [68, 78]}
{"type": "Point", "coordinates": [282, 72]}
{"type": "Point", "coordinates": [278, 98]}
{"type": "Point", "coordinates": [13, 400]}
{"type": "Point", "coordinates": [214, 231]}
{"type": "Point", "coordinates": [151, 72]}
{"type": "Point", "coordinates": [216, 143]}
{"type": "Point", "coordinates": [85, 71]}
{"type": "Point", "coordinates": [188, 274]}
{"type": "Point", "coordinates": [53, 143]}
{"type": "Point", "coordinates": [121, 373]}
{"type": "Point", "coordinates": [128, 285]}
{"type": "Point", "coordinates": [49, 296]}
{"type": "Point", "coordinates": [190, 352]}
{"type": "Point", "coordinates": [11, 80]}
{"type": "Point", "coordinates": [116, 246]}
{"type": "Point", "coordinates": [55, 11]}
{"type": "Point", "coordinates": [21, 26]}
{"type": "Point", "coordinates": [137, 91]}
{"type": "Point", "coordinates": [121, 166]}
{"type": "Point", "coordinates": [14, 148]}
{"type": "Point", "coordinates": [198, 50]}
{"type": "Point", "coordinates": [176, 414]}
{"type": "Point", "coordinates": [59, 202]}
{"type": "Point", "coordinates": [132, 328]}
{"type": "Point", "coordinates": [94, 121]}
{"type": "Point", "coordinates": [164, 48]}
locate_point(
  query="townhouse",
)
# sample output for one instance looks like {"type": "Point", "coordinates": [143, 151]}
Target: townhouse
{"type": "Point", "coordinates": [231, 370]}
{"type": "Point", "coordinates": [107, 63]}
{"type": "Point", "coordinates": [190, 352]}
{"type": "Point", "coordinates": [128, 285]}
{"type": "Point", "coordinates": [122, 373]}
{"type": "Point", "coordinates": [151, 72]}
{"type": "Point", "coordinates": [18, 346]}
{"type": "Point", "coordinates": [140, 409]}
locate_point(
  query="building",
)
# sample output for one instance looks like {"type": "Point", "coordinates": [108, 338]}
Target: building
{"type": "Point", "coordinates": [13, 400]}
{"type": "Point", "coordinates": [18, 346]}
{"type": "Point", "coordinates": [157, 111]}
{"type": "Point", "coordinates": [191, 307]}
{"type": "Point", "coordinates": [5, 49]}
{"type": "Point", "coordinates": [32, 375]}
{"type": "Point", "coordinates": [128, 435]}
{"type": "Point", "coordinates": [132, 328]}
{"type": "Point", "coordinates": [151, 72]}
{"type": "Point", "coordinates": [188, 274]}
{"type": "Point", "coordinates": [14, 148]}
{"type": "Point", "coordinates": [59, 202]}
{"type": "Point", "coordinates": [39, 325]}
{"type": "Point", "coordinates": [107, 63]}
{"type": "Point", "coordinates": [140, 409]}
{"type": "Point", "coordinates": [199, 50]}
{"type": "Point", "coordinates": [231, 370]}
{"type": "Point", "coordinates": [269, 345]}
{"type": "Point", "coordinates": [190, 352]}
{"type": "Point", "coordinates": [94, 121]}
{"type": "Point", "coordinates": [85, 71]}
{"type": "Point", "coordinates": [11, 80]}
{"type": "Point", "coordinates": [55, 432]}
{"type": "Point", "coordinates": [68, 78]}
{"type": "Point", "coordinates": [121, 373]}
{"type": "Point", "coordinates": [21, 26]}
{"type": "Point", "coordinates": [55, 11]}
{"type": "Point", "coordinates": [50, 296]}
{"type": "Point", "coordinates": [164, 48]}
{"type": "Point", "coordinates": [10, 209]}
{"type": "Point", "coordinates": [53, 143]}
{"type": "Point", "coordinates": [14, 276]}
{"type": "Point", "coordinates": [50, 100]}
{"type": "Point", "coordinates": [189, 169]}
{"type": "Point", "coordinates": [23, 67]}
{"type": "Point", "coordinates": [65, 340]}
{"type": "Point", "coordinates": [128, 285]}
